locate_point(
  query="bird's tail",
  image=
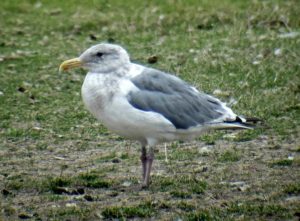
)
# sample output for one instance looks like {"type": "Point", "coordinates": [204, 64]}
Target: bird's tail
{"type": "Point", "coordinates": [240, 123]}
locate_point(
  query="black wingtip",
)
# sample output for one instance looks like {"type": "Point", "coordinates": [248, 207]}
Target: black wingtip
{"type": "Point", "coordinates": [252, 122]}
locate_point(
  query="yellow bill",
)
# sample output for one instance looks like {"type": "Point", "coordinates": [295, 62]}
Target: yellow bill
{"type": "Point", "coordinates": [69, 64]}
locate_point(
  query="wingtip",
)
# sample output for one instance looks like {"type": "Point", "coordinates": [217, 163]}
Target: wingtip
{"type": "Point", "coordinates": [253, 122]}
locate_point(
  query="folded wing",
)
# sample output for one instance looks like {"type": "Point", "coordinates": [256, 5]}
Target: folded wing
{"type": "Point", "coordinates": [176, 100]}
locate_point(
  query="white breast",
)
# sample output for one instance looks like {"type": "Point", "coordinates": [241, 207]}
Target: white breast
{"type": "Point", "coordinates": [105, 97]}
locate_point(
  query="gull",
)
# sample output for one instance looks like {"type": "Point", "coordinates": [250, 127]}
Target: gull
{"type": "Point", "coordinates": [146, 104]}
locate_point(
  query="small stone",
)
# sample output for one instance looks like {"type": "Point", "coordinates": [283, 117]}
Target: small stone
{"type": "Point", "coordinates": [256, 62]}
{"type": "Point", "coordinates": [126, 183]}
{"type": "Point", "coordinates": [99, 215]}
{"type": "Point", "coordinates": [293, 199]}
{"type": "Point", "coordinates": [36, 128]}
{"type": "Point", "coordinates": [277, 51]}
{"type": "Point", "coordinates": [290, 157]}
{"type": "Point", "coordinates": [217, 92]}
{"type": "Point", "coordinates": [200, 169]}
{"type": "Point", "coordinates": [1, 93]}
{"type": "Point", "coordinates": [71, 205]}
{"type": "Point", "coordinates": [205, 150]}
{"type": "Point", "coordinates": [289, 35]}
{"type": "Point", "coordinates": [237, 183]}
{"type": "Point", "coordinates": [243, 188]}
{"type": "Point", "coordinates": [259, 56]}
{"type": "Point", "coordinates": [59, 158]}
{"type": "Point", "coordinates": [230, 136]}
{"type": "Point", "coordinates": [220, 92]}
{"type": "Point", "coordinates": [78, 197]}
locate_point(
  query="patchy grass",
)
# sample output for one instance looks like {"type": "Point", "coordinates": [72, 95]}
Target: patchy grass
{"type": "Point", "coordinates": [282, 162]}
{"type": "Point", "coordinates": [202, 215]}
{"type": "Point", "coordinates": [94, 180]}
{"type": "Point", "coordinates": [179, 186]}
{"type": "Point", "coordinates": [292, 188]}
{"type": "Point", "coordinates": [143, 210]}
{"type": "Point", "coordinates": [58, 182]}
{"type": "Point", "coordinates": [90, 179]}
{"type": "Point", "coordinates": [263, 210]}
{"type": "Point", "coordinates": [69, 213]}
{"type": "Point", "coordinates": [57, 162]}
{"type": "Point", "coordinates": [229, 156]}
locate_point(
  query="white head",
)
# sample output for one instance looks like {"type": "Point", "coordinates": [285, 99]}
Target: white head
{"type": "Point", "coordinates": [100, 58]}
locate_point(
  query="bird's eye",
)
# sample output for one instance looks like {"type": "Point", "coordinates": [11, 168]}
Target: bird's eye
{"type": "Point", "coordinates": [100, 54]}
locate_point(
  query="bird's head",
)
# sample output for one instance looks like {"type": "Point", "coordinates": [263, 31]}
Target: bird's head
{"type": "Point", "coordinates": [100, 58]}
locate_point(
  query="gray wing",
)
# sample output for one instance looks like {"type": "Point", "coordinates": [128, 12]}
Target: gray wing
{"type": "Point", "coordinates": [174, 99]}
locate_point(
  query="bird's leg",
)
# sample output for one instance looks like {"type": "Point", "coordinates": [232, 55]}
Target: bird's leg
{"type": "Point", "coordinates": [150, 157]}
{"type": "Point", "coordinates": [144, 160]}
{"type": "Point", "coordinates": [166, 154]}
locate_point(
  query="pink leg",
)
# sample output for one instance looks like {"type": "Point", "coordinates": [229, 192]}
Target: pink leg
{"type": "Point", "coordinates": [144, 161]}
{"type": "Point", "coordinates": [149, 162]}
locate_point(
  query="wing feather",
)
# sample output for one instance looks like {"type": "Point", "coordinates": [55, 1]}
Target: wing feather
{"type": "Point", "coordinates": [176, 100]}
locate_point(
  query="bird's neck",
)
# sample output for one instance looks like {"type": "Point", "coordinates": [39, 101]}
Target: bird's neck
{"type": "Point", "coordinates": [120, 70]}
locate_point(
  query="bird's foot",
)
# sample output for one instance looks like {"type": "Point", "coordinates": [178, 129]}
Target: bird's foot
{"type": "Point", "coordinates": [144, 186]}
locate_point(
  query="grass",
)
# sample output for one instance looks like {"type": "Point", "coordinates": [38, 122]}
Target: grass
{"type": "Point", "coordinates": [229, 156]}
{"type": "Point", "coordinates": [282, 162]}
{"type": "Point", "coordinates": [59, 185]}
{"type": "Point", "coordinates": [57, 162]}
{"type": "Point", "coordinates": [292, 188]}
{"type": "Point", "coordinates": [143, 210]}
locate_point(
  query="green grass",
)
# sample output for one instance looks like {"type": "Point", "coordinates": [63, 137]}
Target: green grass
{"type": "Point", "coordinates": [58, 182]}
{"type": "Point", "coordinates": [240, 210]}
{"type": "Point", "coordinates": [143, 210]}
{"type": "Point", "coordinates": [200, 216]}
{"type": "Point", "coordinates": [179, 186]}
{"type": "Point", "coordinates": [229, 156]}
{"type": "Point", "coordinates": [264, 210]}
{"type": "Point", "coordinates": [292, 188]}
{"type": "Point", "coordinates": [90, 179]}
{"type": "Point", "coordinates": [72, 213]}
{"type": "Point", "coordinates": [53, 152]}
{"type": "Point", "coordinates": [282, 162]}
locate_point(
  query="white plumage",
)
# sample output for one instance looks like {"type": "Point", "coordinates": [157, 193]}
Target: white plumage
{"type": "Point", "coordinates": [146, 104]}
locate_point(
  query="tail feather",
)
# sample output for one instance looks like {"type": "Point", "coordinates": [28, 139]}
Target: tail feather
{"type": "Point", "coordinates": [238, 123]}
{"type": "Point", "coordinates": [242, 123]}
